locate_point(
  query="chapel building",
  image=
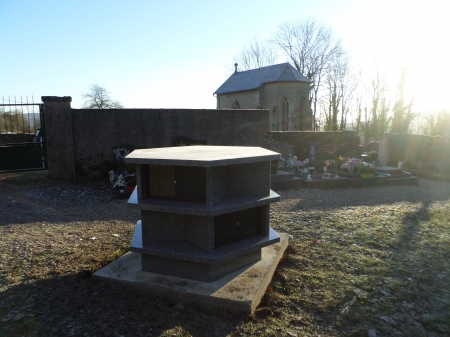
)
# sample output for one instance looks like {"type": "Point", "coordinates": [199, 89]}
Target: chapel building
{"type": "Point", "coordinates": [280, 88]}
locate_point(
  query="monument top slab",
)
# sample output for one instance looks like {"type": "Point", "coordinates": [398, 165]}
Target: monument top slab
{"type": "Point", "coordinates": [389, 170]}
{"type": "Point", "coordinates": [201, 156]}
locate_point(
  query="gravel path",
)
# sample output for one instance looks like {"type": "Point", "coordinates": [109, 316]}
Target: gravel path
{"type": "Point", "coordinates": [32, 197]}
{"type": "Point", "coordinates": [428, 192]}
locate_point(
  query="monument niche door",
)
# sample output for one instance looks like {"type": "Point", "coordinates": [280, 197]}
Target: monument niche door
{"type": "Point", "coordinates": [237, 226]}
{"type": "Point", "coordinates": [190, 184]}
{"type": "Point", "coordinates": [177, 183]}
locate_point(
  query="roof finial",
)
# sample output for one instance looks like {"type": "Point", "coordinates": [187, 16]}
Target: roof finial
{"type": "Point", "coordinates": [235, 67]}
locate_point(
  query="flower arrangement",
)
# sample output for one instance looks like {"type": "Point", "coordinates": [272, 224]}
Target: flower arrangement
{"type": "Point", "coordinates": [366, 168]}
{"type": "Point", "coordinates": [351, 165]}
{"type": "Point", "coordinates": [300, 165]}
{"type": "Point", "coordinates": [303, 163]}
{"type": "Point", "coordinates": [330, 163]}
{"type": "Point", "coordinates": [373, 155]}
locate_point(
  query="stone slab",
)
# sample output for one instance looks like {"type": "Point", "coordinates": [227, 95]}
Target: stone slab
{"type": "Point", "coordinates": [344, 174]}
{"type": "Point", "coordinates": [411, 180]}
{"type": "Point", "coordinates": [197, 271]}
{"type": "Point", "coordinates": [288, 184]}
{"type": "Point", "coordinates": [326, 183]}
{"type": "Point", "coordinates": [375, 181]}
{"type": "Point", "coordinates": [281, 175]}
{"type": "Point", "coordinates": [188, 252]}
{"type": "Point", "coordinates": [389, 170]}
{"type": "Point", "coordinates": [227, 205]}
{"type": "Point", "coordinates": [202, 156]}
{"type": "Point", "coordinates": [239, 292]}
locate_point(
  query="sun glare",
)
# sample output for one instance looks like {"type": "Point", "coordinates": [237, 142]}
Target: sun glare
{"type": "Point", "coordinates": [395, 34]}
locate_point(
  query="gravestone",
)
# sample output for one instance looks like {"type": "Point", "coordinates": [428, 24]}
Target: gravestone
{"type": "Point", "coordinates": [373, 146]}
{"type": "Point", "coordinates": [317, 152]}
{"type": "Point", "coordinates": [243, 136]}
{"type": "Point", "coordinates": [351, 150]}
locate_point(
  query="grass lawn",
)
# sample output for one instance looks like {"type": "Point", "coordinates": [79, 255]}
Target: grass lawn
{"type": "Point", "coordinates": [379, 270]}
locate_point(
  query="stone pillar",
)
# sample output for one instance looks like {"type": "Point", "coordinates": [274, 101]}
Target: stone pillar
{"type": "Point", "coordinates": [383, 150]}
{"type": "Point", "coordinates": [446, 159]}
{"type": "Point", "coordinates": [58, 133]}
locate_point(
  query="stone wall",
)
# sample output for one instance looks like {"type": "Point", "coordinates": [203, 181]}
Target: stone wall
{"type": "Point", "coordinates": [417, 152]}
{"type": "Point", "coordinates": [328, 145]}
{"type": "Point", "coordinates": [84, 143]}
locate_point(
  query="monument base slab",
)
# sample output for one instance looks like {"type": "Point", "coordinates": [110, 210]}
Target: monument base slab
{"type": "Point", "coordinates": [238, 292]}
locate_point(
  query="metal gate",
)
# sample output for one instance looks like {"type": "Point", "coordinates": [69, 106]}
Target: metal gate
{"type": "Point", "coordinates": [22, 141]}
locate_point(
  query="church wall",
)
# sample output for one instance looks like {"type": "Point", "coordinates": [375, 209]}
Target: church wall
{"type": "Point", "coordinates": [247, 99]}
{"type": "Point", "coordinates": [273, 95]}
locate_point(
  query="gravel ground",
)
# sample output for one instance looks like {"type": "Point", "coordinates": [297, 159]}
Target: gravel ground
{"type": "Point", "coordinates": [425, 194]}
{"type": "Point", "coordinates": [82, 226]}
{"type": "Point", "coordinates": [32, 197]}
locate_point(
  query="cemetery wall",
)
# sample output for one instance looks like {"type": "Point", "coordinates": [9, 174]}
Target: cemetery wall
{"type": "Point", "coordinates": [416, 152]}
{"type": "Point", "coordinates": [85, 143]}
{"type": "Point", "coordinates": [328, 145]}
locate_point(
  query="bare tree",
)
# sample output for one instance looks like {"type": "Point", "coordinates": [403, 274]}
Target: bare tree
{"type": "Point", "coordinates": [379, 106]}
{"type": "Point", "coordinates": [98, 98]}
{"type": "Point", "coordinates": [255, 55]}
{"type": "Point", "coordinates": [402, 115]}
{"type": "Point", "coordinates": [357, 123]}
{"type": "Point", "coordinates": [375, 120]}
{"type": "Point", "coordinates": [341, 82]}
{"type": "Point", "coordinates": [436, 123]}
{"type": "Point", "coordinates": [312, 48]}
{"type": "Point", "coordinates": [15, 121]}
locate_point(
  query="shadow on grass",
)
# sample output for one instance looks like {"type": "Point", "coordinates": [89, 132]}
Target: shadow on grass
{"type": "Point", "coordinates": [375, 270]}
{"type": "Point", "coordinates": [78, 305]}
{"type": "Point", "coordinates": [419, 288]}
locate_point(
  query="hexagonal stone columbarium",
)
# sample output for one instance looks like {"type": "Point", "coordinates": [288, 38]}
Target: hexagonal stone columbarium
{"type": "Point", "coordinates": [204, 209]}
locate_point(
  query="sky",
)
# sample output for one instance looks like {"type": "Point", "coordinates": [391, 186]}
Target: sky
{"type": "Point", "coordinates": [175, 54]}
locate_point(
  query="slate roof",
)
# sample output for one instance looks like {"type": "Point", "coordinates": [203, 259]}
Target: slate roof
{"type": "Point", "coordinates": [253, 79]}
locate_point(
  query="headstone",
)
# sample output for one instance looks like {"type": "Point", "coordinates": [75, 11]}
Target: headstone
{"type": "Point", "coordinates": [243, 136]}
{"type": "Point", "coordinates": [317, 151]}
{"type": "Point", "coordinates": [350, 150]}
{"type": "Point", "coordinates": [373, 146]}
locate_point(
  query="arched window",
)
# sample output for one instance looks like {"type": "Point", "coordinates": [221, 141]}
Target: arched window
{"type": "Point", "coordinates": [285, 114]}
{"type": "Point", "coordinates": [236, 104]}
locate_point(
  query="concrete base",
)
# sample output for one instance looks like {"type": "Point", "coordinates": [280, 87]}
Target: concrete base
{"type": "Point", "coordinates": [239, 292]}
